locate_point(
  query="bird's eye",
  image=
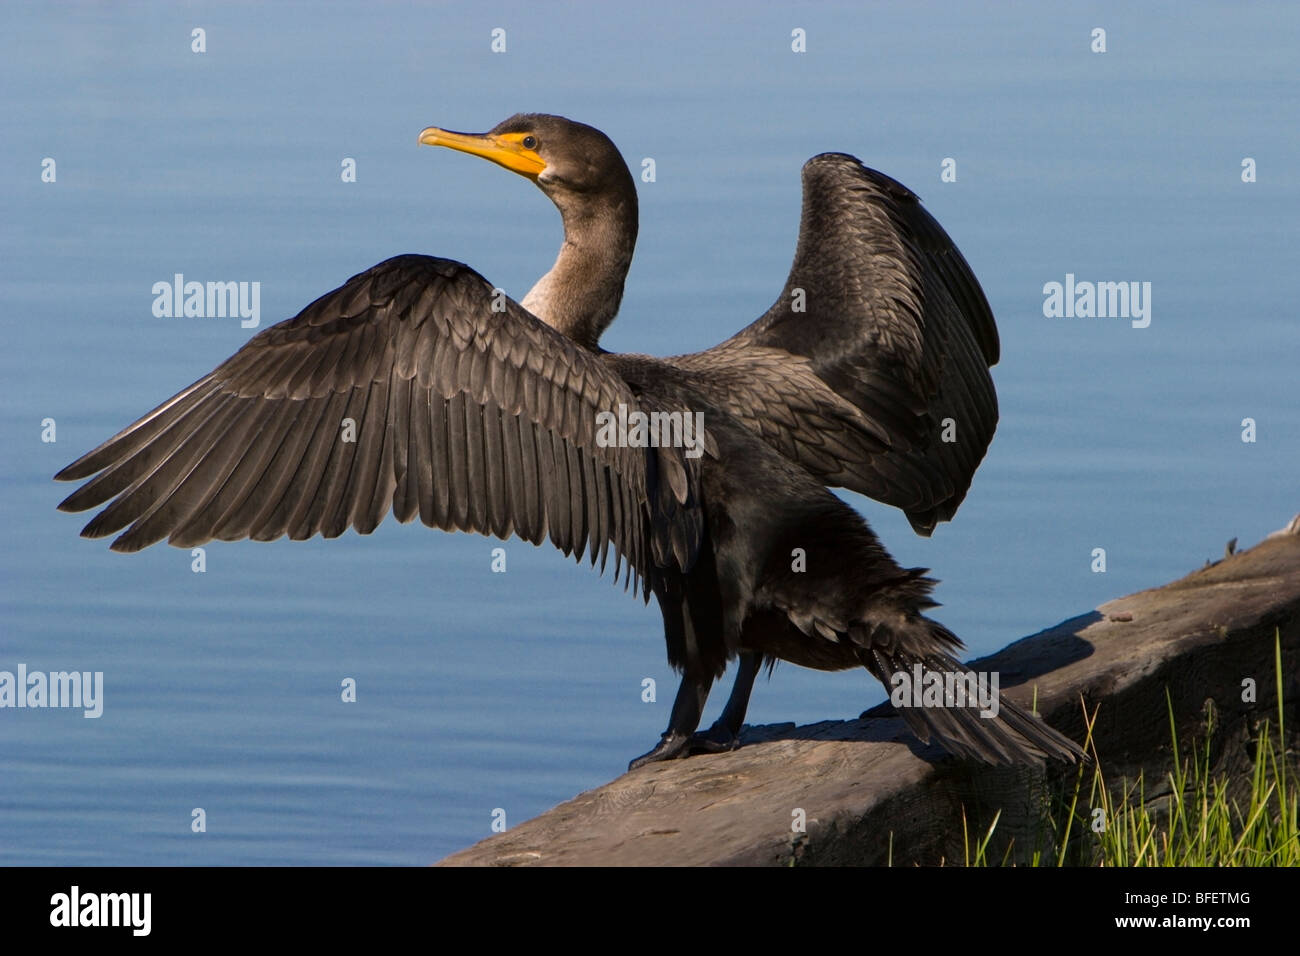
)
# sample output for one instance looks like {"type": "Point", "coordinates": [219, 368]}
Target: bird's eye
{"type": "Point", "coordinates": [529, 142]}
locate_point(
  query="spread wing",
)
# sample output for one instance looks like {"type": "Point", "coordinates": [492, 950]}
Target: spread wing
{"type": "Point", "coordinates": [872, 368]}
{"type": "Point", "coordinates": [404, 389]}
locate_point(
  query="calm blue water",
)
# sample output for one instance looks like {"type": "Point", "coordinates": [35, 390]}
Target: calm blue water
{"type": "Point", "coordinates": [477, 690]}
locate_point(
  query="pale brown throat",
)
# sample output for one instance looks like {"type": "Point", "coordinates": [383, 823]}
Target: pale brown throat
{"type": "Point", "coordinates": [581, 293]}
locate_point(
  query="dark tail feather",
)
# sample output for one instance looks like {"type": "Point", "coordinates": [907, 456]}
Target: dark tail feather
{"type": "Point", "coordinates": [1010, 737]}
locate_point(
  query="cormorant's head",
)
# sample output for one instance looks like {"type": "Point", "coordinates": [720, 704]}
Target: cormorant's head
{"type": "Point", "coordinates": [584, 175]}
{"type": "Point", "coordinates": [568, 161]}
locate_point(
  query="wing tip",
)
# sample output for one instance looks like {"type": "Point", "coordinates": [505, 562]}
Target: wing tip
{"type": "Point", "coordinates": [75, 471]}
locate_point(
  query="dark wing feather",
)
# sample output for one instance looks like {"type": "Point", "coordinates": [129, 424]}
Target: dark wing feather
{"type": "Point", "coordinates": [880, 334]}
{"type": "Point", "coordinates": [473, 419]}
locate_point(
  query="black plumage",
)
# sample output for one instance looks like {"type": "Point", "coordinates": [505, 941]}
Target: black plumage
{"type": "Point", "coordinates": [476, 413]}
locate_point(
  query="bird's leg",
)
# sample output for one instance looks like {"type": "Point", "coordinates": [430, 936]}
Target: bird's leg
{"type": "Point", "coordinates": [725, 732]}
{"type": "Point", "coordinates": [680, 739]}
{"type": "Point", "coordinates": [687, 709]}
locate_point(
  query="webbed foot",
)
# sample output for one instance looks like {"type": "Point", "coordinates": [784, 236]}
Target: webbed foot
{"type": "Point", "coordinates": [672, 746]}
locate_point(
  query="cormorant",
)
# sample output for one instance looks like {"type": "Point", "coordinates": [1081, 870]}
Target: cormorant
{"type": "Point", "coordinates": [478, 413]}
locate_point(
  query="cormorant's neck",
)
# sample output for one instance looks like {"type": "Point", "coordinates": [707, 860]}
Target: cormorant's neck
{"type": "Point", "coordinates": [581, 293]}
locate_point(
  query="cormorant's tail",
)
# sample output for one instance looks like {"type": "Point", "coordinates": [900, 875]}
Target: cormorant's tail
{"type": "Point", "coordinates": [942, 698]}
